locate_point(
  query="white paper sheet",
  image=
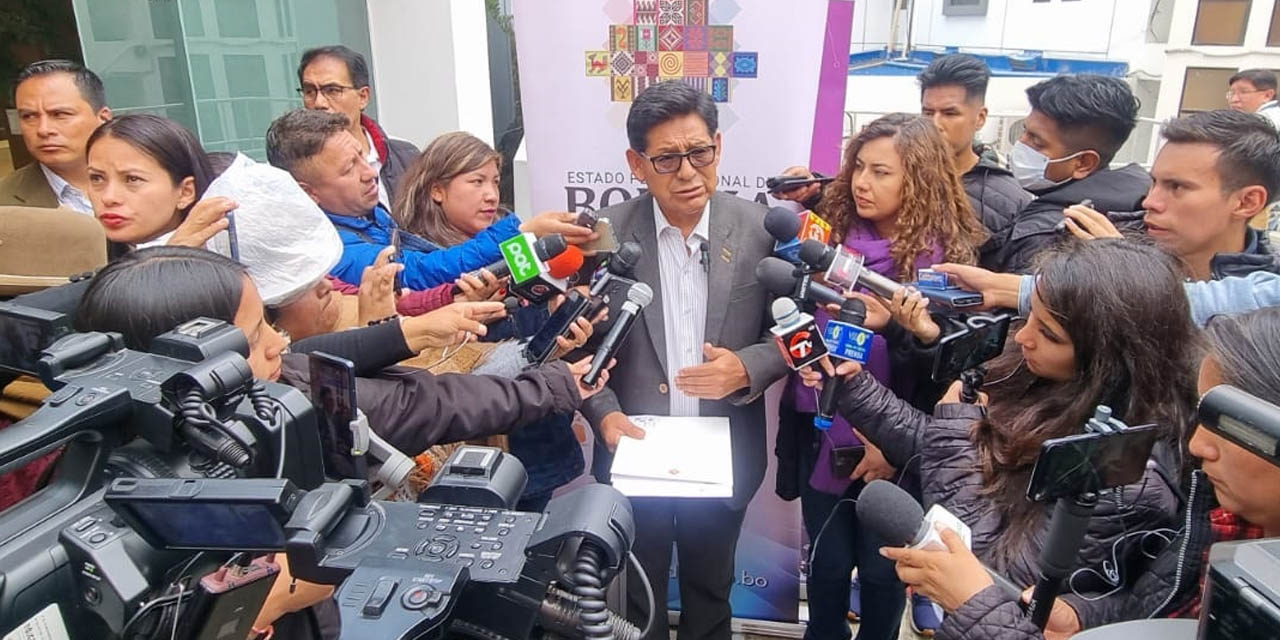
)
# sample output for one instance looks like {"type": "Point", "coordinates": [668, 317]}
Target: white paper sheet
{"type": "Point", "coordinates": [679, 457]}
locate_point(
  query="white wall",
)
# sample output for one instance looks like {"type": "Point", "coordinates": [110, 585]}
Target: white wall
{"type": "Point", "coordinates": [431, 68]}
{"type": "Point", "coordinates": [1079, 29]}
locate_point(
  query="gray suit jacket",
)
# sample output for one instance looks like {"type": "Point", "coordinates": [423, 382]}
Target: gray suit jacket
{"type": "Point", "coordinates": [737, 319]}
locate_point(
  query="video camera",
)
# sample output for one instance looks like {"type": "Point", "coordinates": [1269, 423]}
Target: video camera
{"type": "Point", "coordinates": [190, 409]}
{"type": "Point", "coordinates": [409, 570]}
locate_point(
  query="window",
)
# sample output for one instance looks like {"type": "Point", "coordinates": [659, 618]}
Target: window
{"type": "Point", "coordinates": [1204, 89]}
{"type": "Point", "coordinates": [1221, 22]}
{"type": "Point", "coordinates": [964, 7]}
{"type": "Point", "coordinates": [1273, 36]}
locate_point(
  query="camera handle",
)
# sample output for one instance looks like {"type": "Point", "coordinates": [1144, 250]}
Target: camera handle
{"type": "Point", "coordinates": [971, 381]}
{"type": "Point", "coordinates": [395, 467]}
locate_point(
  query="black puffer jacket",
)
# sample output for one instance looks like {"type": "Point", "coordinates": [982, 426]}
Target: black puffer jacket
{"type": "Point", "coordinates": [1033, 231]}
{"type": "Point", "coordinates": [1258, 255]}
{"type": "Point", "coordinates": [996, 198]}
{"type": "Point", "coordinates": [950, 474]}
{"type": "Point", "coordinates": [1169, 584]}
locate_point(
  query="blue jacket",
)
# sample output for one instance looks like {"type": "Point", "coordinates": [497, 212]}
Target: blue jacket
{"type": "Point", "coordinates": [426, 264]}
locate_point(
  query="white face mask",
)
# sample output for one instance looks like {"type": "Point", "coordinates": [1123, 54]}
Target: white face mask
{"type": "Point", "coordinates": [1028, 167]}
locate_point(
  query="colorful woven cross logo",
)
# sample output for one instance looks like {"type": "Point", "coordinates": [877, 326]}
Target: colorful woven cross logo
{"type": "Point", "coordinates": [671, 40]}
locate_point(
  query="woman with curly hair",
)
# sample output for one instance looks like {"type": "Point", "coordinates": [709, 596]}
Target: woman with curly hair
{"type": "Point", "coordinates": [899, 202]}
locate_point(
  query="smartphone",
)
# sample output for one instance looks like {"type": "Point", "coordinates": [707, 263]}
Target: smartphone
{"type": "Point", "coordinates": [333, 392]}
{"type": "Point", "coordinates": [543, 343]}
{"type": "Point", "coordinates": [397, 256]}
{"type": "Point", "coordinates": [226, 242]}
{"type": "Point", "coordinates": [845, 459]}
{"type": "Point", "coordinates": [778, 184]}
{"type": "Point", "coordinates": [1090, 462]}
{"type": "Point", "coordinates": [606, 241]}
{"type": "Point", "coordinates": [969, 348]}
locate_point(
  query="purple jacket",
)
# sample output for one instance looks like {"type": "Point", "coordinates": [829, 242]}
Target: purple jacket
{"type": "Point", "coordinates": [866, 241]}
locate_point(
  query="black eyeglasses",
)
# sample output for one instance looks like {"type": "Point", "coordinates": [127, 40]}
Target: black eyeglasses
{"type": "Point", "coordinates": [670, 162]}
{"type": "Point", "coordinates": [330, 91]}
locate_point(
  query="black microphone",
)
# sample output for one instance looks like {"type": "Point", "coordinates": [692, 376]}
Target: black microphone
{"type": "Point", "coordinates": [1057, 559]}
{"type": "Point", "coordinates": [896, 517]}
{"type": "Point", "coordinates": [620, 265]}
{"type": "Point", "coordinates": [854, 312]}
{"type": "Point", "coordinates": [638, 297]}
{"type": "Point", "coordinates": [546, 248]}
{"type": "Point", "coordinates": [782, 278]}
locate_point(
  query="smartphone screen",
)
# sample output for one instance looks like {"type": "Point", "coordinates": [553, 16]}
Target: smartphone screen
{"type": "Point", "coordinates": [543, 343]}
{"type": "Point", "coordinates": [333, 392]}
{"type": "Point", "coordinates": [967, 349]}
{"type": "Point", "coordinates": [1090, 462]}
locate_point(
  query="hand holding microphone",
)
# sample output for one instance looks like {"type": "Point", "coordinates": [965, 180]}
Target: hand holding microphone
{"type": "Point", "coordinates": [638, 297]}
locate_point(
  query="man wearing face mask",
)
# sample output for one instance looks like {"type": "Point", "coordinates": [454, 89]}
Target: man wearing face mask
{"type": "Point", "coordinates": [1076, 126]}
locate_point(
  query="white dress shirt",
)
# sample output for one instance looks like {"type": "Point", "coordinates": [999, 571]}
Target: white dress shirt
{"type": "Point", "coordinates": [68, 195]}
{"type": "Point", "coordinates": [684, 300]}
{"type": "Point", "coordinates": [376, 162]}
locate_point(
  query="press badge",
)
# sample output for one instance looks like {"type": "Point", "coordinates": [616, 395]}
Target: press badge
{"type": "Point", "coordinates": [848, 341]}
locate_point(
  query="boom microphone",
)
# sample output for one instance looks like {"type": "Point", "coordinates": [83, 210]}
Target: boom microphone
{"type": "Point", "coordinates": [897, 518]}
{"type": "Point", "coordinates": [638, 297]}
{"type": "Point", "coordinates": [781, 279]}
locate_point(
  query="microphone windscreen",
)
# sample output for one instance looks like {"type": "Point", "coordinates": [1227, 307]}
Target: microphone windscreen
{"type": "Point", "coordinates": [640, 294]}
{"type": "Point", "coordinates": [890, 512]}
{"type": "Point", "coordinates": [777, 275]}
{"type": "Point", "coordinates": [782, 223]}
{"type": "Point", "coordinates": [566, 264]}
{"type": "Point", "coordinates": [816, 254]}
{"type": "Point", "coordinates": [624, 260]}
{"type": "Point", "coordinates": [783, 309]}
{"type": "Point", "coordinates": [550, 246]}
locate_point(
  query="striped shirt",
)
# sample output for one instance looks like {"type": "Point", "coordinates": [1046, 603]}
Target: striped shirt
{"type": "Point", "coordinates": [684, 300]}
{"type": "Point", "coordinates": [68, 195]}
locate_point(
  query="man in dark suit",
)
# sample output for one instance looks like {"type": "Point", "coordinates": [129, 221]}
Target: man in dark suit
{"type": "Point", "coordinates": [696, 350]}
{"type": "Point", "coordinates": [60, 104]}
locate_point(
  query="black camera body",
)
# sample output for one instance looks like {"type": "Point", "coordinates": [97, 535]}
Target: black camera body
{"type": "Point", "coordinates": [190, 409]}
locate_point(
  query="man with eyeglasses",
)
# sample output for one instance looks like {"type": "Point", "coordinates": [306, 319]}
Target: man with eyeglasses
{"type": "Point", "coordinates": [697, 350]}
{"type": "Point", "coordinates": [1254, 91]}
{"type": "Point", "coordinates": [336, 79]}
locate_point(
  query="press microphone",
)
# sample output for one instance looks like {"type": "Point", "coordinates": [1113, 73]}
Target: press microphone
{"type": "Point", "coordinates": [544, 283]}
{"type": "Point", "coordinates": [820, 257]}
{"type": "Point", "coordinates": [620, 265]}
{"type": "Point", "coordinates": [782, 278]}
{"type": "Point", "coordinates": [898, 519]}
{"type": "Point", "coordinates": [638, 297]}
{"type": "Point", "coordinates": [852, 313]}
{"type": "Point", "coordinates": [789, 229]}
{"type": "Point", "coordinates": [522, 253]}
{"type": "Point", "coordinates": [796, 334]}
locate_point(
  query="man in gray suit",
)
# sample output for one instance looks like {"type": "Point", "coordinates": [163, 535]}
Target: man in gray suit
{"type": "Point", "coordinates": [697, 350]}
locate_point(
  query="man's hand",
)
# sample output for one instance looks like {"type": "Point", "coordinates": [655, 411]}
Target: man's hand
{"type": "Point", "coordinates": [288, 595]}
{"type": "Point", "coordinates": [614, 426]}
{"type": "Point", "coordinates": [949, 578]}
{"type": "Point", "coordinates": [206, 220]}
{"type": "Point", "coordinates": [799, 194]}
{"type": "Point", "coordinates": [449, 325]}
{"type": "Point", "coordinates": [1088, 224]}
{"type": "Point", "coordinates": [561, 222]}
{"type": "Point", "coordinates": [479, 289]}
{"type": "Point", "coordinates": [873, 465]}
{"type": "Point", "coordinates": [580, 368]}
{"type": "Point", "coordinates": [1063, 623]}
{"type": "Point", "coordinates": [377, 296]}
{"type": "Point", "coordinates": [911, 310]}
{"type": "Point", "coordinates": [999, 290]}
{"type": "Point", "coordinates": [722, 374]}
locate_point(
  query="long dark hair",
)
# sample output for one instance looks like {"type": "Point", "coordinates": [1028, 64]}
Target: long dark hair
{"type": "Point", "coordinates": [934, 205]}
{"type": "Point", "coordinates": [1123, 307]}
{"type": "Point", "coordinates": [1247, 350]}
{"type": "Point", "coordinates": [170, 144]}
{"type": "Point", "coordinates": [150, 291]}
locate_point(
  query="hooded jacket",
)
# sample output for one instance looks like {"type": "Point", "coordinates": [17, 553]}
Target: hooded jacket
{"type": "Point", "coordinates": [1257, 256]}
{"type": "Point", "coordinates": [1034, 229]}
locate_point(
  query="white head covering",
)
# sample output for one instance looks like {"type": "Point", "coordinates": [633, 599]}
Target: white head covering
{"type": "Point", "coordinates": [284, 238]}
